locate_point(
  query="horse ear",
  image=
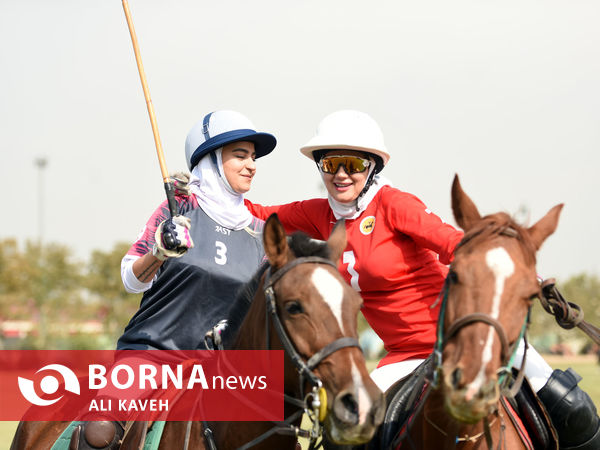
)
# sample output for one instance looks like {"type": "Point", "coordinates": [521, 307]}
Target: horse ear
{"type": "Point", "coordinates": [465, 211]}
{"type": "Point", "coordinates": [545, 226]}
{"type": "Point", "coordinates": [275, 242]}
{"type": "Point", "coordinates": [337, 240]}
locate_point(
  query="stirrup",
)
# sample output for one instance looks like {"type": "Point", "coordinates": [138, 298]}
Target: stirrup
{"type": "Point", "coordinates": [103, 434]}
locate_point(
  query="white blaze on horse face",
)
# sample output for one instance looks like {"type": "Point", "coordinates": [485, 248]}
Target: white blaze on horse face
{"type": "Point", "coordinates": [502, 266]}
{"type": "Point", "coordinates": [331, 290]}
{"type": "Point", "coordinates": [362, 396]}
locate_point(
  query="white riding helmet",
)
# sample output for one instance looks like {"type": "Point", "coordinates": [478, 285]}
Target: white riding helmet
{"type": "Point", "coordinates": [348, 129]}
{"type": "Point", "coordinates": [224, 127]}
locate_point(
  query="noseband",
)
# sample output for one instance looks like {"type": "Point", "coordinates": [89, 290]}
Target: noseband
{"type": "Point", "coordinates": [479, 317]}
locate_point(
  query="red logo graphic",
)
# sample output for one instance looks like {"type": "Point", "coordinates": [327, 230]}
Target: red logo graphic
{"type": "Point", "coordinates": [141, 385]}
{"type": "Point", "coordinates": [49, 385]}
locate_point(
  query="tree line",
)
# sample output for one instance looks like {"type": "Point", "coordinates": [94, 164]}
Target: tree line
{"type": "Point", "coordinates": [48, 288]}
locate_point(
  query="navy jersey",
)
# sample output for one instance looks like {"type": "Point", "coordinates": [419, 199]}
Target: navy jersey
{"type": "Point", "coordinates": [193, 292]}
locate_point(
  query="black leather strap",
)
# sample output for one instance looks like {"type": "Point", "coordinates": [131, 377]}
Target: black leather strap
{"type": "Point", "coordinates": [331, 348]}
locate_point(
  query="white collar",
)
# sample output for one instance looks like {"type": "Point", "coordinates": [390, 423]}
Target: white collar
{"type": "Point", "coordinates": [355, 208]}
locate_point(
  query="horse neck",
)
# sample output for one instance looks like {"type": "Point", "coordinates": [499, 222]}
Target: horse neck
{"type": "Point", "coordinates": [251, 335]}
{"type": "Point", "coordinates": [434, 428]}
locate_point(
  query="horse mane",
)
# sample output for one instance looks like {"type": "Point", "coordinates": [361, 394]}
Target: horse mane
{"type": "Point", "coordinates": [301, 245]}
{"type": "Point", "coordinates": [498, 224]}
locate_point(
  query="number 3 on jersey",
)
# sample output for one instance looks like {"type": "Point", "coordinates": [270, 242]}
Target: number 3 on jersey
{"type": "Point", "coordinates": [221, 257]}
{"type": "Point", "coordinates": [348, 258]}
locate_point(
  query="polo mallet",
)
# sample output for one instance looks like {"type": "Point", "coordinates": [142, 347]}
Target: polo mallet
{"type": "Point", "coordinates": [170, 241]}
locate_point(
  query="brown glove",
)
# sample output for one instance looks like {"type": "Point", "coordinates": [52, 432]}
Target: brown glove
{"type": "Point", "coordinates": [181, 183]}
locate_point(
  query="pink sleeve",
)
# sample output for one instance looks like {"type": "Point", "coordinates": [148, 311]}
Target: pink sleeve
{"type": "Point", "coordinates": [410, 216]}
{"type": "Point", "coordinates": [145, 240]}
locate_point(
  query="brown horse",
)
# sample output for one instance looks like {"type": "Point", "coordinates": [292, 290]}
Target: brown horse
{"type": "Point", "coordinates": [313, 315]}
{"type": "Point", "coordinates": [488, 293]}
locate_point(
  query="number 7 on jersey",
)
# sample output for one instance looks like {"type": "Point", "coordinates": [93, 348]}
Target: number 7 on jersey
{"type": "Point", "coordinates": [348, 258]}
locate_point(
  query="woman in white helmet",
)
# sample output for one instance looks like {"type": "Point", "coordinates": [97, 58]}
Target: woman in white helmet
{"type": "Point", "coordinates": [393, 239]}
{"type": "Point", "coordinates": [396, 257]}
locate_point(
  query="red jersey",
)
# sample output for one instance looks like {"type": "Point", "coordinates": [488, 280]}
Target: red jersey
{"type": "Point", "coordinates": [391, 259]}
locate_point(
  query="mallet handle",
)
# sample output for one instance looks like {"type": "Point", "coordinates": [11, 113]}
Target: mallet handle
{"type": "Point", "coordinates": [169, 188]}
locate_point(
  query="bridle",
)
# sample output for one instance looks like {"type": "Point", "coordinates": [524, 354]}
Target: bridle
{"type": "Point", "coordinates": [305, 369]}
{"type": "Point", "coordinates": [313, 403]}
{"type": "Point", "coordinates": [508, 351]}
{"type": "Point", "coordinates": [317, 396]}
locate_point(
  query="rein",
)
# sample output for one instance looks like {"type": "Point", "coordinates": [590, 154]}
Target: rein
{"type": "Point", "coordinates": [314, 403]}
{"type": "Point", "coordinates": [567, 314]}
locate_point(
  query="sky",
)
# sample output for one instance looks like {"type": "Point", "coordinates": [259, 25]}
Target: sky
{"type": "Point", "coordinates": [505, 94]}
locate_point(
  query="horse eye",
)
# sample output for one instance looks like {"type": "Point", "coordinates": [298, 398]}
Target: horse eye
{"type": "Point", "coordinates": [294, 307]}
{"type": "Point", "coordinates": [452, 277]}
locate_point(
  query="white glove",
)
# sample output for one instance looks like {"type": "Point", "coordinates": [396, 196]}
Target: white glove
{"type": "Point", "coordinates": [172, 238]}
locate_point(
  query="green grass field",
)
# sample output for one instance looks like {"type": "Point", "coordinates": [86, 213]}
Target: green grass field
{"type": "Point", "coordinates": [7, 430]}
{"type": "Point", "coordinates": [587, 367]}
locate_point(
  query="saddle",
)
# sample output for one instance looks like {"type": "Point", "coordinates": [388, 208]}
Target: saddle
{"type": "Point", "coordinates": [534, 417]}
{"type": "Point", "coordinates": [404, 396]}
{"type": "Point", "coordinates": [111, 434]}
{"type": "Point", "coordinates": [401, 400]}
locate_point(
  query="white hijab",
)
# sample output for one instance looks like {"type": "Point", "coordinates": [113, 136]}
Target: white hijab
{"type": "Point", "coordinates": [355, 208]}
{"type": "Point", "coordinates": [215, 196]}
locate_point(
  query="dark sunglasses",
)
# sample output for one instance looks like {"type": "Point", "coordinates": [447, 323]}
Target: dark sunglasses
{"type": "Point", "coordinates": [352, 164]}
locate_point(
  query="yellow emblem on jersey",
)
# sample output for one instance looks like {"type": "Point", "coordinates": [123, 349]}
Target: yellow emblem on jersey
{"type": "Point", "coordinates": [367, 225]}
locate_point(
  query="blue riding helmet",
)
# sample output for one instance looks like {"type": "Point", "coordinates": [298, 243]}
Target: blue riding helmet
{"type": "Point", "coordinates": [224, 127]}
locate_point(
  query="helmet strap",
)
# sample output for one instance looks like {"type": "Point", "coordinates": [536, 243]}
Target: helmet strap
{"type": "Point", "coordinates": [368, 184]}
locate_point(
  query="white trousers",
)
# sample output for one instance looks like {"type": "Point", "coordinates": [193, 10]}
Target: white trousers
{"type": "Point", "coordinates": [536, 369]}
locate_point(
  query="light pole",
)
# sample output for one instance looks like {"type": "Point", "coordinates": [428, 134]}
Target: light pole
{"type": "Point", "coordinates": [41, 164]}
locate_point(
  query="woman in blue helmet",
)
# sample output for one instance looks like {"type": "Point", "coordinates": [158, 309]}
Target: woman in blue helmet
{"type": "Point", "coordinates": [218, 248]}
{"type": "Point", "coordinates": [189, 289]}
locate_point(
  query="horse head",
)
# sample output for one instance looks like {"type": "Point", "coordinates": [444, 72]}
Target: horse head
{"type": "Point", "coordinates": [318, 311]}
{"type": "Point", "coordinates": [489, 290]}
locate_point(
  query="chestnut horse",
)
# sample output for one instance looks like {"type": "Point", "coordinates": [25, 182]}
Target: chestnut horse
{"type": "Point", "coordinates": [486, 301]}
{"type": "Point", "coordinates": [312, 315]}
